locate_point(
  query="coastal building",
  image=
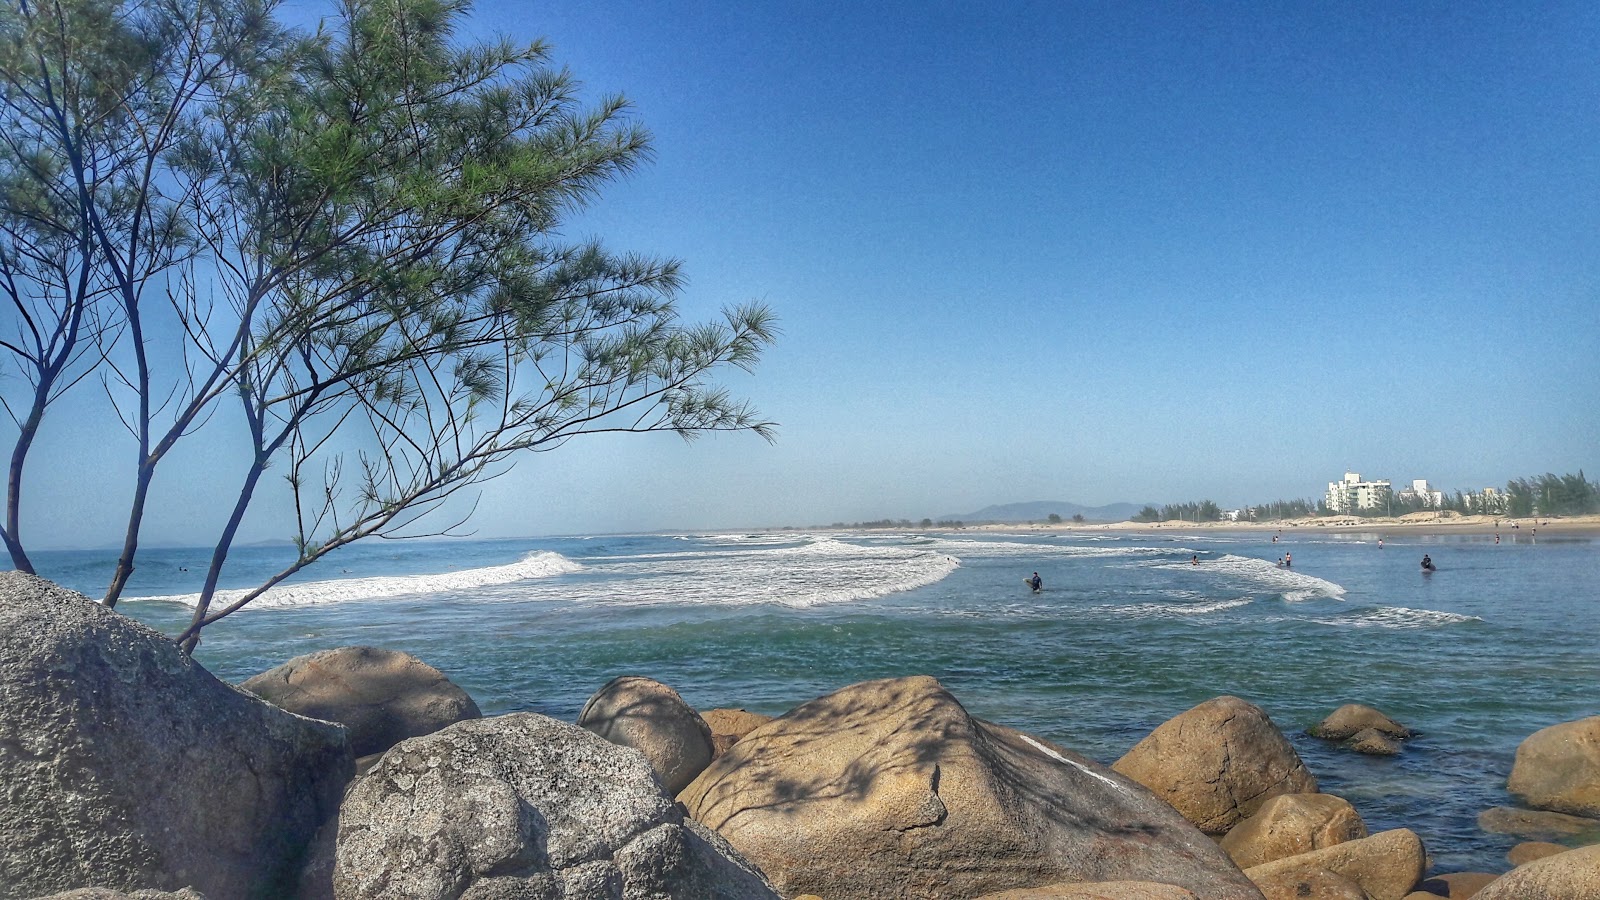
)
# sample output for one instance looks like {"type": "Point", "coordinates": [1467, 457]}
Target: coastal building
{"type": "Point", "coordinates": [1351, 493]}
{"type": "Point", "coordinates": [1420, 492]}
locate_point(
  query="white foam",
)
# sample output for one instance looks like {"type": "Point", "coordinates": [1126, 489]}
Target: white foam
{"type": "Point", "coordinates": [1398, 617]}
{"type": "Point", "coordinates": [820, 572]}
{"type": "Point", "coordinates": [1261, 574]}
{"type": "Point", "coordinates": [1178, 609]}
{"type": "Point", "coordinates": [338, 590]}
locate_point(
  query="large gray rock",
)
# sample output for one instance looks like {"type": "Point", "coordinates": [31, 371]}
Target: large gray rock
{"type": "Point", "coordinates": [1558, 768]}
{"type": "Point", "coordinates": [523, 806]}
{"type": "Point", "coordinates": [1573, 875]}
{"type": "Point", "coordinates": [1217, 763]}
{"type": "Point", "coordinates": [651, 718]}
{"type": "Point", "coordinates": [126, 765]}
{"type": "Point", "coordinates": [891, 789]}
{"type": "Point", "coordinates": [1291, 824]}
{"type": "Point", "coordinates": [381, 696]}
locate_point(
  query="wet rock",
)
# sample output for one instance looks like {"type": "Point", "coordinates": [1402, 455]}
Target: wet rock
{"type": "Point", "coordinates": [1535, 824]}
{"type": "Point", "coordinates": [1373, 742]}
{"type": "Point", "coordinates": [1353, 718]}
{"type": "Point", "coordinates": [1528, 851]}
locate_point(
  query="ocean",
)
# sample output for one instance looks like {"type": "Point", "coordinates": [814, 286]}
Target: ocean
{"type": "Point", "coordinates": [1128, 632]}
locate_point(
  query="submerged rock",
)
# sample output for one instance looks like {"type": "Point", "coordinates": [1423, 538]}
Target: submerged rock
{"type": "Point", "coordinates": [1373, 742]}
{"type": "Point", "coordinates": [1351, 719]}
{"type": "Point", "coordinates": [1558, 768]}
{"type": "Point", "coordinates": [1217, 763]}
{"type": "Point", "coordinates": [891, 789]}
{"type": "Point", "coordinates": [127, 765]}
{"type": "Point", "coordinates": [381, 696]}
{"type": "Point", "coordinates": [525, 806]}
{"type": "Point", "coordinates": [1537, 824]}
{"type": "Point", "coordinates": [650, 717]}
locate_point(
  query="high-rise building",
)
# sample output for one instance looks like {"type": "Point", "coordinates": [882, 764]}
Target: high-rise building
{"type": "Point", "coordinates": [1351, 493]}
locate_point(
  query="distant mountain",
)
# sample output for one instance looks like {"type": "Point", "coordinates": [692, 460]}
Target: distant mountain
{"type": "Point", "coordinates": [1040, 510]}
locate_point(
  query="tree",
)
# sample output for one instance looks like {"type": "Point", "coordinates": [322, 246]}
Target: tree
{"type": "Point", "coordinates": [1055, 519]}
{"type": "Point", "coordinates": [93, 95]}
{"type": "Point", "coordinates": [1077, 518]}
{"type": "Point", "coordinates": [378, 282]}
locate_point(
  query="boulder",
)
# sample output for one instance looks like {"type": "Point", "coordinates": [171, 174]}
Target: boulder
{"type": "Point", "coordinates": [1537, 824]}
{"type": "Point", "coordinates": [1387, 865]}
{"type": "Point", "coordinates": [891, 789]}
{"type": "Point", "coordinates": [1097, 890]}
{"type": "Point", "coordinates": [1309, 884]}
{"type": "Point", "coordinates": [1558, 768]}
{"type": "Point", "coordinates": [381, 696]}
{"type": "Point", "coordinates": [1528, 851]}
{"type": "Point", "coordinates": [729, 725]}
{"type": "Point", "coordinates": [1573, 875]}
{"type": "Point", "coordinates": [1353, 718]}
{"type": "Point", "coordinates": [1458, 885]}
{"type": "Point", "coordinates": [127, 765]}
{"type": "Point", "coordinates": [1291, 824]}
{"type": "Point", "coordinates": [525, 806]}
{"type": "Point", "coordinates": [95, 893]}
{"type": "Point", "coordinates": [1217, 763]}
{"type": "Point", "coordinates": [651, 718]}
{"type": "Point", "coordinates": [1373, 742]}
{"type": "Point", "coordinates": [735, 723]}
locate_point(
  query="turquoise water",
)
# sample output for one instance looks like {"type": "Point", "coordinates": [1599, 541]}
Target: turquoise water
{"type": "Point", "coordinates": [1497, 644]}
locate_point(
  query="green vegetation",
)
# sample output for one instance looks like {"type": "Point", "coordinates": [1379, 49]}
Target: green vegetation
{"type": "Point", "coordinates": [351, 239]}
{"type": "Point", "coordinates": [1203, 511]}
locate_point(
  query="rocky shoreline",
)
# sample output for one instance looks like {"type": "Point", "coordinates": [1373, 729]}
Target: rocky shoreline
{"type": "Point", "coordinates": [130, 771]}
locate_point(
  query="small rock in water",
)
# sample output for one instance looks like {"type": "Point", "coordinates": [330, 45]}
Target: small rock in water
{"type": "Point", "coordinates": [1353, 718]}
{"type": "Point", "coordinates": [1558, 768]}
{"type": "Point", "coordinates": [1536, 824]}
{"type": "Point", "coordinates": [1372, 742]}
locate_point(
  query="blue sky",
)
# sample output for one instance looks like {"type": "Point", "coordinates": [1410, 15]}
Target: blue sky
{"type": "Point", "coordinates": [1082, 252]}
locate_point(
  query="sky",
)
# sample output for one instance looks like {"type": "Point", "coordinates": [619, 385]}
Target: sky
{"type": "Point", "coordinates": [1043, 251]}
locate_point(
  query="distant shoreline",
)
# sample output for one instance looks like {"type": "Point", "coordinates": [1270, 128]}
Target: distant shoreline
{"type": "Point", "coordinates": [1414, 523]}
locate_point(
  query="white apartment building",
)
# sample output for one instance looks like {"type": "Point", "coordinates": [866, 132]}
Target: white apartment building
{"type": "Point", "coordinates": [1351, 493]}
{"type": "Point", "coordinates": [1420, 490]}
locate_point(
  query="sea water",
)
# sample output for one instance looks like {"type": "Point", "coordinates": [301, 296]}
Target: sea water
{"type": "Point", "coordinates": [1129, 631]}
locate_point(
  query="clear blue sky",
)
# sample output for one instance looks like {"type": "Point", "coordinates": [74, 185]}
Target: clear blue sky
{"type": "Point", "coordinates": [1080, 252]}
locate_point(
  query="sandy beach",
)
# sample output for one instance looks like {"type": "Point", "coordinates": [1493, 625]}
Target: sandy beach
{"type": "Point", "coordinates": [1414, 523]}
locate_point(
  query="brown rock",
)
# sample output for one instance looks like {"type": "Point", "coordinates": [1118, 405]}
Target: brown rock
{"type": "Point", "coordinates": [650, 717]}
{"type": "Point", "coordinates": [891, 789]}
{"type": "Point", "coordinates": [1309, 884]}
{"type": "Point", "coordinates": [1097, 890]}
{"type": "Point", "coordinates": [1353, 718]}
{"type": "Point", "coordinates": [1387, 865]}
{"type": "Point", "coordinates": [381, 697]}
{"type": "Point", "coordinates": [1458, 885]}
{"type": "Point", "coordinates": [1528, 851]}
{"type": "Point", "coordinates": [1217, 763]}
{"type": "Point", "coordinates": [1573, 875]}
{"type": "Point", "coordinates": [1373, 742]}
{"type": "Point", "coordinates": [1537, 824]}
{"type": "Point", "coordinates": [733, 722]}
{"type": "Point", "coordinates": [96, 893]}
{"type": "Point", "coordinates": [1291, 824]}
{"type": "Point", "coordinates": [1558, 768]}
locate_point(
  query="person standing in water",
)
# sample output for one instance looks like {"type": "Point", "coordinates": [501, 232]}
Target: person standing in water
{"type": "Point", "coordinates": [1288, 560]}
{"type": "Point", "coordinates": [1036, 583]}
{"type": "Point", "coordinates": [1427, 563]}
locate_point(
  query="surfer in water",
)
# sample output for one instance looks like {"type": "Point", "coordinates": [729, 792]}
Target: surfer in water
{"type": "Point", "coordinates": [1036, 583]}
{"type": "Point", "coordinates": [1427, 563]}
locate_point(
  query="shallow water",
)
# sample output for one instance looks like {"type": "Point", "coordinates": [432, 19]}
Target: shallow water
{"type": "Point", "coordinates": [1127, 633]}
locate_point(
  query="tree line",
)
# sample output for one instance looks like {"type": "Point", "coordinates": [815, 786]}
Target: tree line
{"type": "Point", "coordinates": [349, 242]}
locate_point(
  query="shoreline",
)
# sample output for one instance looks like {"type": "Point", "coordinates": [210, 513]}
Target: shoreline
{"type": "Point", "coordinates": [1413, 524]}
